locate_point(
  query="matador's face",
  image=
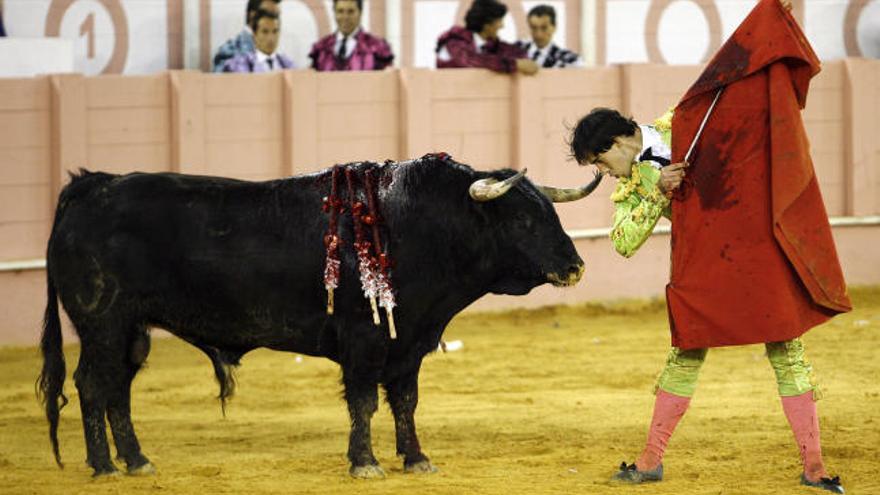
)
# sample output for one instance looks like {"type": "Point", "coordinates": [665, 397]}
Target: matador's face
{"type": "Point", "coordinates": [618, 160]}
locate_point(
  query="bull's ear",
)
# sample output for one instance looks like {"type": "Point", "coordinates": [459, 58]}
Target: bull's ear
{"type": "Point", "coordinates": [558, 195]}
{"type": "Point", "coordinates": [489, 189]}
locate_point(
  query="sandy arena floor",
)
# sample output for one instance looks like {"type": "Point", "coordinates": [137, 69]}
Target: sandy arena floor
{"type": "Point", "coordinates": [548, 401]}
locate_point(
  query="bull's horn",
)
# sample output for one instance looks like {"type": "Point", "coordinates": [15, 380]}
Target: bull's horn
{"type": "Point", "coordinates": [489, 189]}
{"type": "Point", "coordinates": [558, 195]}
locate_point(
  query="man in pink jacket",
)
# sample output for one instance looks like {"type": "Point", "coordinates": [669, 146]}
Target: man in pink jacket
{"type": "Point", "coordinates": [477, 44]}
{"type": "Point", "coordinates": [350, 47]}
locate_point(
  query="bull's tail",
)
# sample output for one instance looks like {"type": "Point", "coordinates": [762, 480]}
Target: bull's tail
{"type": "Point", "coordinates": [225, 375]}
{"type": "Point", "coordinates": [224, 363]}
{"type": "Point", "coordinates": [50, 384]}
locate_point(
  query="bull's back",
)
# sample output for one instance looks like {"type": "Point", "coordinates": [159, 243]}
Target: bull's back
{"type": "Point", "coordinates": [177, 247]}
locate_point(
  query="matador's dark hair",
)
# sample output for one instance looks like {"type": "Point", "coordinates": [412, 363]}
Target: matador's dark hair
{"type": "Point", "coordinates": [596, 131]}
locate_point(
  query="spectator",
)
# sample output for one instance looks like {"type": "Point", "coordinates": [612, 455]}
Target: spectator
{"type": "Point", "coordinates": [477, 44]}
{"type": "Point", "coordinates": [541, 49]}
{"type": "Point", "coordinates": [244, 42]}
{"type": "Point", "coordinates": [350, 47]}
{"type": "Point", "coordinates": [265, 57]}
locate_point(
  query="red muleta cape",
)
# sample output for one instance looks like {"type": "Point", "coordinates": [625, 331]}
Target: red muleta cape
{"type": "Point", "coordinates": [753, 259]}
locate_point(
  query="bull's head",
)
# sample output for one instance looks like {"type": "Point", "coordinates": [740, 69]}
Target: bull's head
{"type": "Point", "coordinates": [535, 247]}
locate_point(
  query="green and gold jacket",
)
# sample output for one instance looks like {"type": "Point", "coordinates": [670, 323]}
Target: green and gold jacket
{"type": "Point", "coordinates": [638, 201]}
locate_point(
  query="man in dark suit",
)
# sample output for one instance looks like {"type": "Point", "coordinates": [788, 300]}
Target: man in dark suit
{"type": "Point", "coordinates": [541, 49]}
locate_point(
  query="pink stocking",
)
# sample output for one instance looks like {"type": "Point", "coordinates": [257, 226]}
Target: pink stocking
{"type": "Point", "coordinates": [804, 420]}
{"type": "Point", "coordinates": [668, 410]}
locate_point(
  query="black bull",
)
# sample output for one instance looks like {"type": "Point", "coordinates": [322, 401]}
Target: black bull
{"type": "Point", "coordinates": [230, 266]}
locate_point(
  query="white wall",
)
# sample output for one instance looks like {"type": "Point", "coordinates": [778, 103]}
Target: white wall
{"type": "Point", "coordinates": [612, 31]}
{"type": "Point", "coordinates": [30, 57]}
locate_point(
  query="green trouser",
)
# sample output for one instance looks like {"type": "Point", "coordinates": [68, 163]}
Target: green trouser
{"type": "Point", "coordinates": [794, 374]}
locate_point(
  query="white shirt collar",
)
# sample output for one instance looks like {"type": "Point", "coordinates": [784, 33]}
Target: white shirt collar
{"type": "Point", "coordinates": [350, 42]}
{"type": "Point", "coordinates": [263, 57]}
{"type": "Point", "coordinates": [479, 42]}
{"type": "Point", "coordinates": [651, 139]}
{"type": "Point", "coordinates": [546, 49]}
{"type": "Point", "coordinates": [353, 35]}
{"type": "Point", "coordinates": [533, 47]}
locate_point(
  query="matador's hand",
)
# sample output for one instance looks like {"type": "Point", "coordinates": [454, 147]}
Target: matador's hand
{"type": "Point", "coordinates": [671, 176]}
{"type": "Point", "coordinates": [786, 4]}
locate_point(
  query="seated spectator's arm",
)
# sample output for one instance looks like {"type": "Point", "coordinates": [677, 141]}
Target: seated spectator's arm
{"type": "Point", "coordinates": [578, 63]}
{"type": "Point", "coordinates": [527, 66]}
{"type": "Point", "coordinates": [511, 50]}
{"type": "Point", "coordinates": [521, 61]}
{"type": "Point", "coordinates": [238, 63]}
{"type": "Point", "coordinates": [223, 55]}
{"type": "Point", "coordinates": [383, 55]}
{"type": "Point", "coordinates": [463, 54]}
{"type": "Point", "coordinates": [313, 56]}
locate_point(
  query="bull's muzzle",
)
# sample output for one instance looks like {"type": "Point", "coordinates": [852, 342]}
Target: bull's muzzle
{"type": "Point", "coordinates": [568, 279]}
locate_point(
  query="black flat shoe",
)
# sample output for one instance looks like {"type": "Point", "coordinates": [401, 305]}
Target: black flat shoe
{"type": "Point", "coordinates": [831, 484]}
{"type": "Point", "coordinates": [631, 474]}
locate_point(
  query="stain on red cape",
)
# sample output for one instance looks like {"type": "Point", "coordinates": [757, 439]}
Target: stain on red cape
{"type": "Point", "coordinates": [753, 259]}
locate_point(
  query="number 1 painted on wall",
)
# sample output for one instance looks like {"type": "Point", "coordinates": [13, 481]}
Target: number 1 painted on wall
{"type": "Point", "coordinates": [88, 27]}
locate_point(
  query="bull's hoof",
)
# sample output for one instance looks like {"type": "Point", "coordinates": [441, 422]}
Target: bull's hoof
{"type": "Point", "coordinates": [421, 467]}
{"type": "Point", "coordinates": [368, 472]}
{"type": "Point", "coordinates": [106, 474]}
{"type": "Point", "coordinates": [146, 469]}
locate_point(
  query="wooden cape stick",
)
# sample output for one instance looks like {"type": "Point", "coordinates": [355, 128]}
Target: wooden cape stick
{"type": "Point", "coordinates": [690, 150]}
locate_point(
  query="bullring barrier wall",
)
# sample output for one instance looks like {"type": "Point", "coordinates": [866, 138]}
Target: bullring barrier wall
{"type": "Point", "coordinates": [263, 126]}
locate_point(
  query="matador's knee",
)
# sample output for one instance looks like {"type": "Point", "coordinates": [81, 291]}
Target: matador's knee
{"type": "Point", "coordinates": [794, 374]}
{"type": "Point", "coordinates": [682, 369]}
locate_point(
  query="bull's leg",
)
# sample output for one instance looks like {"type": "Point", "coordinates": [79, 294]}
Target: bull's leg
{"type": "Point", "coordinates": [119, 408]}
{"type": "Point", "coordinates": [403, 397]}
{"type": "Point", "coordinates": [127, 446]}
{"type": "Point", "coordinates": [362, 399]}
{"type": "Point", "coordinates": [92, 387]}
